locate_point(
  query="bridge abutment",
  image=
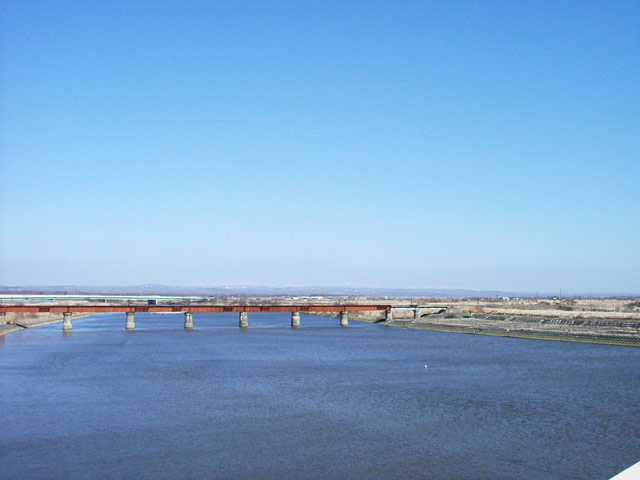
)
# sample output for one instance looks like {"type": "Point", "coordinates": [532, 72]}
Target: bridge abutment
{"type": "Point", "coordinates": [389, 316]}
{"type": "Point", "coordinates": [244, 320]}
{"type": "Point", "coordinates": [66, 322]}
{"type": "Point", "coordinates": [295, 319]}
{"type": "Point", "coordinates": [344, 319]}
{"type": "Point", "coordinates": [131, 321]}
{"type": "Point", "coordinates": [188, 320]}
{"type": "Point", "coordinates": [3, 320]}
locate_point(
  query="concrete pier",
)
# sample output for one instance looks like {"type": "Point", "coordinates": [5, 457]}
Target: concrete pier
{"type": "Point", "coordinates": [131, 321]}
{"type": "Point", "coordinates": [416, 313]}
{"type": "Point", "coordinates": [188, 320]}
{"type": "Point", "coordinates": [344, 319]}
{"type": "Point", "coordinates": [389, 316]}
{"type": "Point", "coordinates": [66, 322]}
{"type": "Point", "coordinates": [244, 319]}
{"type": "Point", "coordinates": [3, 320]}
{"type": "Point", "coordinates": [295, 319]}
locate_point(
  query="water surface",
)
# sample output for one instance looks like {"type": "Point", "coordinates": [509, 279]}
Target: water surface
{"type": "Point", "coordinates": [317, 402]}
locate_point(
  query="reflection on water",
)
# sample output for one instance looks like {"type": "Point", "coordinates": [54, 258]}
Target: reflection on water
{"type": "Point", "coordinates": [316, 402]}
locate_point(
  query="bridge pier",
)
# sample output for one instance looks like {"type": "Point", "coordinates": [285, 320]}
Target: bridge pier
{"type": "Point", "coordinates": [133, 305]}
{"type": "Point", "coordinates": [66, 322]}
{"type": "Point", "coordinates": [188, 320]}
{"type": "Point", "coordinates": [416, 314]}
{"type": "Point", "coordinates": [131, 321]}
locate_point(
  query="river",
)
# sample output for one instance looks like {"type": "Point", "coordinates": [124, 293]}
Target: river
{"type": "Point", "coordinates": [319, 402]}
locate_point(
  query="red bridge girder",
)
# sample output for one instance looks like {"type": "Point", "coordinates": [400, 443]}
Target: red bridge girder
{"type": "Point", "coordinates": [187, 308]}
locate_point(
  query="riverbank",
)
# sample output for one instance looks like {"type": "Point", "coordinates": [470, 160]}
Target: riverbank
{"type": "Point", "coordinates": [608, 328]}
{"type": "Point", "coordinates": [568, 336]}
{"type": "Point", "coordinates": [611, 328]}
{"type": "Point", "coordinates": [16, 323]}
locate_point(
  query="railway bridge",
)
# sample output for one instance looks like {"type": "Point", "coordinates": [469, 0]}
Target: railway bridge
{"type": "Point", "coordinates": [130, 308]}
{"type": "Point", "coordinates": [67, 305]}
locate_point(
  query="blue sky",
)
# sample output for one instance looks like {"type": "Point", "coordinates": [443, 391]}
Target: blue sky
{"type": "Point", "coordinates": [483, 145]}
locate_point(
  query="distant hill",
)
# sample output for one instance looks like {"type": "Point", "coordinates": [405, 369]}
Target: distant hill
{"type": "Point", "coordinates": [267, 290]}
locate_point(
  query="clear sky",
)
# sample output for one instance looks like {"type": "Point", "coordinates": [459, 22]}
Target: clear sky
{"type": "Point", "coordinates": [483, 145]}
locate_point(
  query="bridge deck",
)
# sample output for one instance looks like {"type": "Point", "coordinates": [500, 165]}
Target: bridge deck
{"type": "Point", "coordinates": [19, 308]}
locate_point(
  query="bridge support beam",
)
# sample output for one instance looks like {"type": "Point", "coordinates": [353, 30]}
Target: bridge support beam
{"type": "Point", "coordinates": [188, 320]}
{"type": "Point", "coordinates": [295, 319]}
{"type": "Point", "coordinates": [3, 321]}
{"type": "Point", "coordinates": [244, 320]}
{"type": "Point", "coordinates": [416, 313]}
{"type": "Point", "coordinates": [344, 319]}
{"type": "Point", "coordinates": [131, 321]}
{"type": "Point", "coordinates": [389, 316]}
{"type": "Point", "coordinates": [66, 322]}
